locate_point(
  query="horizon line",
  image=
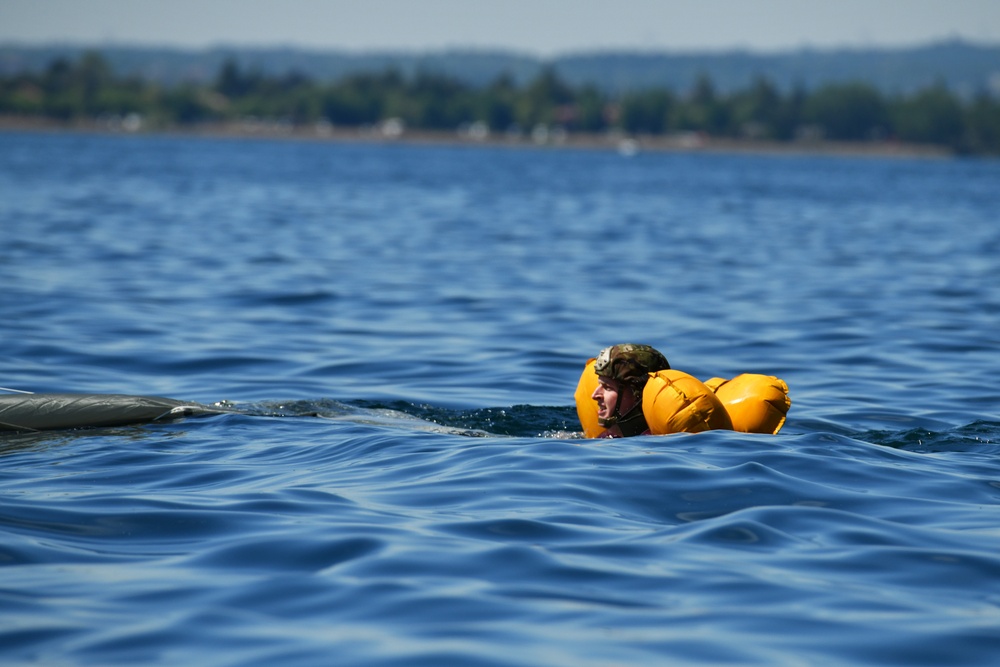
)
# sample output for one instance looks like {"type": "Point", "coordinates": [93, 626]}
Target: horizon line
{"type": "Point", "coordinates": [499, 50]}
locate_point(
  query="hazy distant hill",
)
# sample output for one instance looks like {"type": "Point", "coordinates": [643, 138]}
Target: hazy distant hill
{"type": "Point", "coordinates": [966, 68]}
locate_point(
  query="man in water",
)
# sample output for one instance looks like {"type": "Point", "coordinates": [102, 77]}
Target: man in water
{"type": "Point", "coordinates": [622, 373]}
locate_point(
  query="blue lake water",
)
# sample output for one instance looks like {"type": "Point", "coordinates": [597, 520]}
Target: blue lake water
{"type": "Point", "coordinates": [402, 329]}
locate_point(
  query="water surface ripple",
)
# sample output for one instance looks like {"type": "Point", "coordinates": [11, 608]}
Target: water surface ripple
{"type": "Point", "coordinates": [400, 330]}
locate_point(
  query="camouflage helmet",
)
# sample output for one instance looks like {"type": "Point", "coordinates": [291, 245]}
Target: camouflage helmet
{"type": "Point", "coordinates": [630, 363]}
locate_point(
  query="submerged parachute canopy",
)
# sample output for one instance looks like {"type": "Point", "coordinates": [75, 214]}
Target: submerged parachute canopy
{"type": "Point", "coordinates": [45, 412]}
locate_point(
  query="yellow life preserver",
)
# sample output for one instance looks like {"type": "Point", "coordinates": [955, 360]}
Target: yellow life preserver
{"type": "Point", "coordinates": [676, 402]}
{"type": "Point", "coordinates": [586, 407]}
{"type": "Point", "coordinates": [756, 403]}
{"type": "Point", "coordinates": [673, 402]}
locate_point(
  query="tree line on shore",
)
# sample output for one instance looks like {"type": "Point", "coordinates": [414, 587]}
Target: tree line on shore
{"type": "Point", "coordinates": [88, 89]}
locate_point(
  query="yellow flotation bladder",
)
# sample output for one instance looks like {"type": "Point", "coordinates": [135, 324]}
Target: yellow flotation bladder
{"type": "Point", "coordinates": [586, 407]}
{"type": "Point", "coordinates": [676, 402]}
{"type": "Point", "coordinates": [756, 403]}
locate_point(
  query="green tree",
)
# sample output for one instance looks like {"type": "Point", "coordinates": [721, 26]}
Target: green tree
{"type": "Point", "coordinates": [434, 102]}
{"type": "Point", "coordinates": [590, 110]}
{"type": "Point", "coordinates": [234, 83]}
{"type": "Point", "coordinates": [646, 111]}
{"type": "Point", "coordinates": [361, 99]}
{"type": "Point", "coordinates": [932, 116]}
{"type": "Point", "coordinates": [758, 112]}
{"type": "Point", "coordinates": [63, 99]}
{"type": "Point", "coordinates": [69, 91]}
{"type": "Point", "coordinates": [853, 111]}
{"type": "Point", "coordinates": [186, 104]}
{"type": "Point", "coordinates": [538, 101]}
{"type": "Point", "coordinates": [497, 104]}
{"type": "Point", "coordinates": [983, 125]}
{"type": "Point", "coordinates": [93, 74]}
{"type": "Point", "coordinates": [21, 95]}
{"type": "Point", "coordinates": [704, 110]}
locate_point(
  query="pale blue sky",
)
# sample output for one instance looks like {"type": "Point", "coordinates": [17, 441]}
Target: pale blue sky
{"type": "Point", "coordinates": [539, 27]}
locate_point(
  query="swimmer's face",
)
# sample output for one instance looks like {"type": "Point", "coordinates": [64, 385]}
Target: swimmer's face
{"type": "Point", "coordinates": [606, 395]}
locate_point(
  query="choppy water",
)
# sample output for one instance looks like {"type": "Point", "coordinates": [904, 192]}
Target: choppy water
{"type": "Point", "coordinates": [372, 307]}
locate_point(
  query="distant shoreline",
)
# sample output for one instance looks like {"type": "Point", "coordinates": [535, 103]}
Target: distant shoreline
{"type": "Point", "coordinates": [624, 144]}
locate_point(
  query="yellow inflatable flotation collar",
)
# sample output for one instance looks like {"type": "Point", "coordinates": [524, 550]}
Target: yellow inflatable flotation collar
{"type": "Point", "coordinates": [586, 407]}
{"type": "Point", "coordinates": [756, 403]}
{"type": "Point", "coordinates": [676, 402]}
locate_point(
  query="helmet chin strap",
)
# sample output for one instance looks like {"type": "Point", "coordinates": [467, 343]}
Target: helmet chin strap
{"type": "Point", "coordinates": [633, 423]}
